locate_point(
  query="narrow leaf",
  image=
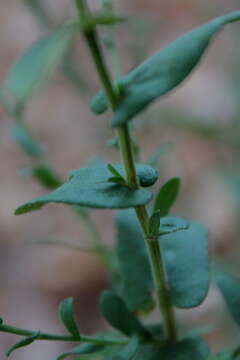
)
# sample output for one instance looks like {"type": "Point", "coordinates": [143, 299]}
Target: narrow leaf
{"type": "Point", "coordinates": [89, 187]}
{"type": "Point", "coordinates": [162, 72]}
{"type": "Point", "coordinates": [24, 138]}
{"type": "Point", "coordinates": [127, 352]}
{"type": "Point", "coordinates": [229, 285]}
{"type": "Point", "coordinates": [134, 266]}
{"type": "Point", "coordinates": [119, 317]}
{"type": "Point", "coordinates": [45, 175]}
{"type": "Point", "coordinates": [114, 171]}
{"type": "Point", "coordinates": [186, 259]}
{"type": "Point", "coordinates": [36, 65]}
{"type": "Point", "coordinates": [67, 317]}
{"type": "Point", "coordinates": [167, 196]}
{"type": "Point", "coordinates": [154, 223]}
{"type": "Point", "coordinates": [25, 342]}
{"type": "Point", "coordinates": [84, 349]}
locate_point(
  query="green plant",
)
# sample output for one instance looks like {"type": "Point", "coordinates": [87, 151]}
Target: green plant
{"type": "Point", "coordinates": [154, 252]}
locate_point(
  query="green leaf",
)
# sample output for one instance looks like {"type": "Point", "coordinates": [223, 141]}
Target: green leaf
{"type": "Point", "coordinates": [172, 224]}
{"type": "Point", "coordinates": [188, 349]}
{"type": "Point", "coordinates": [67, 317]}
{"type": "Point", "coordinates": [24, 138]}
{"type": "Point", "coordinates": [127, 352]}
{"type": "Point", "coordinates": [45, 175]}
{"type": "Point", "coordinates": [117, 180]}
{"type": "Point", "coordinates": [119, 317]}
{"type": "Point", "coordinates": [35, 66]}
{"type": "Point", "coordinates": [84, 349]}
{"type": "Point", "coordinates": [105, 18]}
{"type": "Point", "coordinates": [154, 223]}
{"type": "Point", "coordinates": [229, 285]}
{"type": "Point", "coordinates": [89, 187]}
{"type": "Point", "coordinates": [162, 72]}
{"type": "Point", "coordinates": [133, 262]}
{"type": "Point", "coordinates": [114, 171]}
{"type": "Point", "coordinates": [187, 264]}
{"type": "Point", "coordinates": [221, 356]}
{"type": "Point", "coordinates": [1, 321]}
{"type": "Point", "coordinates": [27, 341]}
{"type": "Point", "coordinates": [167, 196]}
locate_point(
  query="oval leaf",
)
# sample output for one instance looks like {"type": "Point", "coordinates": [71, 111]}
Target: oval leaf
{"type": "Point", "coordinates": [172, 224]}
{"type": "Point", "coordinates": [25, 342]}
{"type": "Point", "coordinates": [167, 196]}
{"type": "Point", "coordinates": [119, 317]}
{"type": "Point", "coordinates": [187, 265]}
{"type": "Point", "coordinates": [89, 187]}
{"type": "Point", "coordinates": [36, 65]}
{"type": "Point", "coordinates": [229, 285]}
{"type": "Point", "coordinates": [134, 267]}
{"type": "Point", "coordinates": [84, 349]}
{"type": "Point", "coordinates": [162, 72]}
{"type": "Point", "coordinates": [67, 317]}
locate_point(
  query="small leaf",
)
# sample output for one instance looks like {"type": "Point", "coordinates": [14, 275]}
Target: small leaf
{"type": "Point", "coordinates": [187, 349]}
{"type": "Point", "coordinates": [172, 224]}
{"type": "Point", "coordinates": [167, 196]}
{"type": "Point", "coordinates": [24, 138]}
{"type": "Point", "coordinates": [117, 180]}
{"type": "Point", "coordinates": [164, 71]}
{"type": "Point", "coordinates": [229, 286]}
{"type": "Point", "coordinates": [127, 352]}
{"type": "Point", "coordinates": [27, 341]}
{"type": "Point", "coordinates": [67, 317]}
{"type": "Point", "coordinates": [185, 254]}
{"type": "Point", "coordinates": [46, 177]}
{"type": "Point", "coordinates": [1, 321]}
{"type": "Point", "coordinates": [84, 349]}
{"type": "Point", "coordinates": [154, 223]}
{"type": "Point", "coordinates": [114, 171]}
{"type": "Point", "coordinates": [36, 65]}
{"type": "Point", "coordinates": [134, 267]}
{"type": "Point", "coordinates": [107, 18]}
{"type": "Point", "coordinates": [119, 317]}
{"type": "Point", "coordinates": [89, 187]}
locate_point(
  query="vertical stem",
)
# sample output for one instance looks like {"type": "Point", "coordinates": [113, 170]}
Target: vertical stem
{"type": "Point", "coordinates": [152, 245]}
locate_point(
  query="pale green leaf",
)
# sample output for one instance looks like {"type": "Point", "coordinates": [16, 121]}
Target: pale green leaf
{"type": "Point", "coordinates": [67, 317]}
{"type": "Point", "coordinates": [24, 138]}
{"type": "Point", "coordinates": [167, 196]}
{"type": "Point", "coordinates": [134, 267]}
{"type": "Point", "coordinates": [162, 72]}
{"type": "Point", "coordinates": [89, 187]}
{"type": "Point", "coordinates": [127, 352]}
{"type": "Point", "coordinates": [172, 224]}
{"type": "Point", "coordinates": [229, 285]}
{"type": "Point", "coordinates": [186, 258]}
{"type": "Point", "coordinates": [35, 66]}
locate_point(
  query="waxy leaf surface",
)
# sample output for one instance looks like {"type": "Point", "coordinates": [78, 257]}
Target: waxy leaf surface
{"type": "Point", "coordinates": [229, 286]}
{"type": "Point", "coordinates": [89, 187]}
{"type": "Point", "coordinates": [119, 317]}
{"type": "Point", "coordinates": [186, 258]}
{"type": "Point", "coordinates": [127, 352]}
{"type": "Point", "coordinates": [133, 262]}
{"type": "Point", "coordinates": [162, 72]}
{"type": "Point", "coordinates": [36, 65]}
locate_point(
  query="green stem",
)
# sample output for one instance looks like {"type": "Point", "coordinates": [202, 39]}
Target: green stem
{"type": "Point", "coordinates": [153, 248]}
{"type": "Point", "coordinates": [57, 337]}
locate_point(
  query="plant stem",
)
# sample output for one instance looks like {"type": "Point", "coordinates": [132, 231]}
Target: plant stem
{"type": "Point", "coordinates": [57, 337]}
{"type": "Point", "coordinates": [125, 143]}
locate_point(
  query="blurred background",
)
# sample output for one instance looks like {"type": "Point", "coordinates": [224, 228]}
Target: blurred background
{"type": "Point", "coordinates": [197, 128]}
